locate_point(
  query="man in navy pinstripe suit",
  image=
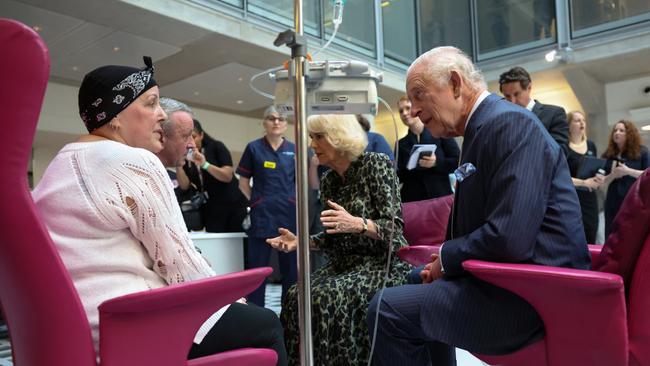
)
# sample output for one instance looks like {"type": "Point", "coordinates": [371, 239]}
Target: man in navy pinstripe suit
{"type": "Point", "coordinates": [514, 203]}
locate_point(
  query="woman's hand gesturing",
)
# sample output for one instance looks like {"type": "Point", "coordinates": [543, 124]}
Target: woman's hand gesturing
{"type": "Point", "coordinates": [286, 242]}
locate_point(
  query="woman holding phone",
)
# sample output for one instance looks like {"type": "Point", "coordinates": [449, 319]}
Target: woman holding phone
{"type": "Point", "coordinates": [627, 159]}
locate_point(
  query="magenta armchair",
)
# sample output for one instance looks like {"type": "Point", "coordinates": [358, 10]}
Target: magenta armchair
{"type": "Point", "coordinates": [46, 321]}
{"type": "Point", "coordinates": [597, 317]}
{"type": "Point", "coordinates": [425, 227]}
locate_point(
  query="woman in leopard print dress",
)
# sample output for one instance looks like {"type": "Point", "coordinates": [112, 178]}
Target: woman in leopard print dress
{"type": "Point", "coordinates": [363, 226]}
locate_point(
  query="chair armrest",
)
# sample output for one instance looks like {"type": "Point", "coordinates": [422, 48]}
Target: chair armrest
{"type": "Point", "coordinates": [584, 312]}
{"type": "Point", "coordinates": [157, 327]}
{"type": "Point", "coordinates": [594, 251]}
{"type": "Point", "coordinates": [418, 255]}
{"type": "Point", "coordinates": [239, 357]}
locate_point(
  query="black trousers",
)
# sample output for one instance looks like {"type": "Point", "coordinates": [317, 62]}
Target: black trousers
{"type": "Point", "coordinates": [243, 326]}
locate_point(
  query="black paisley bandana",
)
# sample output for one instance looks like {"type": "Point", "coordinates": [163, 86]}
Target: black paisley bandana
{"type": "Point", "coordinates": [108, 90]}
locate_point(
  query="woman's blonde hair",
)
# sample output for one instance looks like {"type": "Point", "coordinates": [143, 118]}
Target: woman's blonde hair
{"type": "Point", "coordinates": [342, 131]}
{"type": "Point", "coordinates": [571, 116]}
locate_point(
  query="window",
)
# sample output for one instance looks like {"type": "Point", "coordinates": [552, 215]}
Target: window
{"type": "Point", "coordinates": [358, 28]}
{"type": "Point", "coordinates": [281, 11]}
{"type": "Point", "coordinates": [399, 21]}
{"type": "Point", "coordinates": [445, 23]}
{"type": "Point", "coordinates": [507, 26]}
{"type": "Point", "coordinates": [592, 16]}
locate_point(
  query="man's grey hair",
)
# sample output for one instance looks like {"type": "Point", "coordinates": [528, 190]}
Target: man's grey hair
{"type": "Point", "coordinates": [441, 61]}
{"type": "Point", "coordinates": [170, 106]}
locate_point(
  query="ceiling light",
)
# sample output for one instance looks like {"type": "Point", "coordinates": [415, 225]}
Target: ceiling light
{"type": "Point", "coordinates": [240, 101]}
{"type": "Point", "coordinates": [561, 54]}
{"type": "Point", "coordinates": [384, 4]}
{"type": "Point", "coordinates": [240, 79]}
{"type": "Point", "coordinates": [37, 28]}
{"type": "Point", "coordinates": [550, 56]}
{"type": "Point", "coordinates": [646, 128]}
{"type": "Point", "coordinates": [75, 68]}
{"type": "Point", "coordinates": [196, 93]}
{"type": "Point", "coordinates": [116, 49]}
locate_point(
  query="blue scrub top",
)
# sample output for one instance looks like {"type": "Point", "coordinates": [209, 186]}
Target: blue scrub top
{"type": "Point", "coordinates": [273, 196]}
{"type": "Point", "coordinates": [377, 143]}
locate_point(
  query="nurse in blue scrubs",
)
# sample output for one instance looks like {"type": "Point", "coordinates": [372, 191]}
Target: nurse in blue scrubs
{"type": "Point", "coordinates": [269, 164]}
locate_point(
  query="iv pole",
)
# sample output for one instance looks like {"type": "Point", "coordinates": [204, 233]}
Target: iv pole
{"type": "Point", "coordinates": [298, 44]}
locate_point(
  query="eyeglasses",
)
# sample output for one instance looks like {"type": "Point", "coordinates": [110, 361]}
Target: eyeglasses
{"type": "Point", "coordinates": [274, 119]}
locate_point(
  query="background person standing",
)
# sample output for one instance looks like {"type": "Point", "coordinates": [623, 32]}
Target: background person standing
{"type": "Point", "coordinates": [430, 179]}
{"type": "Point", "coordinates": [270, 163]}
{"type": "Point", "coordinates": [210, 169]}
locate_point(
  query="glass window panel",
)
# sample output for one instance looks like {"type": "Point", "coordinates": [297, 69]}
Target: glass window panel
{"type": "Point", "coordinates": [592, 13]}
{"type": "Point", "coordinates": [358, 28]}
{"type": "Point", "coordinates": [281, 11]}
{"type": "Point", "coordinates": [237, 3]}
{"type": "Point", "coordinates": [445, 23]}
{"type": "Point", "coordinates": [398, 19]}
{"type": "Point", "coordinates": [506, 24]}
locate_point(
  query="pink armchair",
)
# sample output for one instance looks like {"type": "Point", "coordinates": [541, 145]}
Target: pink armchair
{"type": "Point", "coordinates": [425, 227]}
{"type": "Point", "coordinates": [46, 321]}
{"type": "Point", "coordinates": [597, 317]}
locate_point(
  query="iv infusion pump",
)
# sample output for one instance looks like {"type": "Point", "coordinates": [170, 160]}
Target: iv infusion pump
{"type": "Point", "coordinates": [333, 87]}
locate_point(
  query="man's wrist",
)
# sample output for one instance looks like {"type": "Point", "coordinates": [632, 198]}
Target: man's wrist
{"type": "Point", "coordinates": [205, 165]}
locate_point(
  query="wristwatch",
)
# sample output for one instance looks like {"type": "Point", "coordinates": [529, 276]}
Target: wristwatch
{"type": "Point", "coordinates": [365, 226]}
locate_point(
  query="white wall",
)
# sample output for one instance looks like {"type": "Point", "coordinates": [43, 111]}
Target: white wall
{"type": "Point", "coordinates": [59, 123]}
{"type": "Point", "coordinates": [623, 96]}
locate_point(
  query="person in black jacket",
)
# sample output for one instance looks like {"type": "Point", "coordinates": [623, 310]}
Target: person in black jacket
{"type": "Point", "coordinates": [430, 178]}
{"type": "Point", "coordinates": [515, 85]}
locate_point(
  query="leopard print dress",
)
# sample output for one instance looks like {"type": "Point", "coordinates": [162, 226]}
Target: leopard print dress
{"type": "Point", "coordinates": [343, 288]}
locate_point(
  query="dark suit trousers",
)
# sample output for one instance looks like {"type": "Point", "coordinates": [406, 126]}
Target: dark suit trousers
{"type": "Point", "coordinates": [420, 324]}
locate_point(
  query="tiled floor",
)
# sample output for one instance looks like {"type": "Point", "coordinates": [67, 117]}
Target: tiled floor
{"type": "Point", "coordinates": [5, 352]}
{"type": "Point", "coordinates": [272, 299]}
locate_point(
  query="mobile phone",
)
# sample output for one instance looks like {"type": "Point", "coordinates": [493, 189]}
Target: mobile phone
{"type": "Point", "coordinates": [190, 152]}
{"type": "Point", "coordinates": [424, 153]}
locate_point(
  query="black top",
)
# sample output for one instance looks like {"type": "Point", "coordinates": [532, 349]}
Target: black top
{"type": "Point", "coordinates": [588, 199]}
{"type": "Point", "coordinates": [575, 158]}
{"type": "Point", "coordinates": [424, 183]}
{"type": "Point", "coordinates": [618, 187]}
{"type": "Point", "coordinates": [219, 192]}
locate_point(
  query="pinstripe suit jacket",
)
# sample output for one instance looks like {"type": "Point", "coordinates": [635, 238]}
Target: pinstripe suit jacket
{"type": "Point", "coordinates": [520, 205]}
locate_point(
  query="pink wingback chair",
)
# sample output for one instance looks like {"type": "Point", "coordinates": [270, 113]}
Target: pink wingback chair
{"type": "Point", "coordinates": [46, 321]}
{"type": "Point", "coordinates": [592, 318]}
{"type": "Point", "coordinates": [425, 227]}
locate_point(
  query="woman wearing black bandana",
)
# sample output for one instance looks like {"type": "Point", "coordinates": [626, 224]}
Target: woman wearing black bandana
{"type": "Point", "coordinates": [111, 210]}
